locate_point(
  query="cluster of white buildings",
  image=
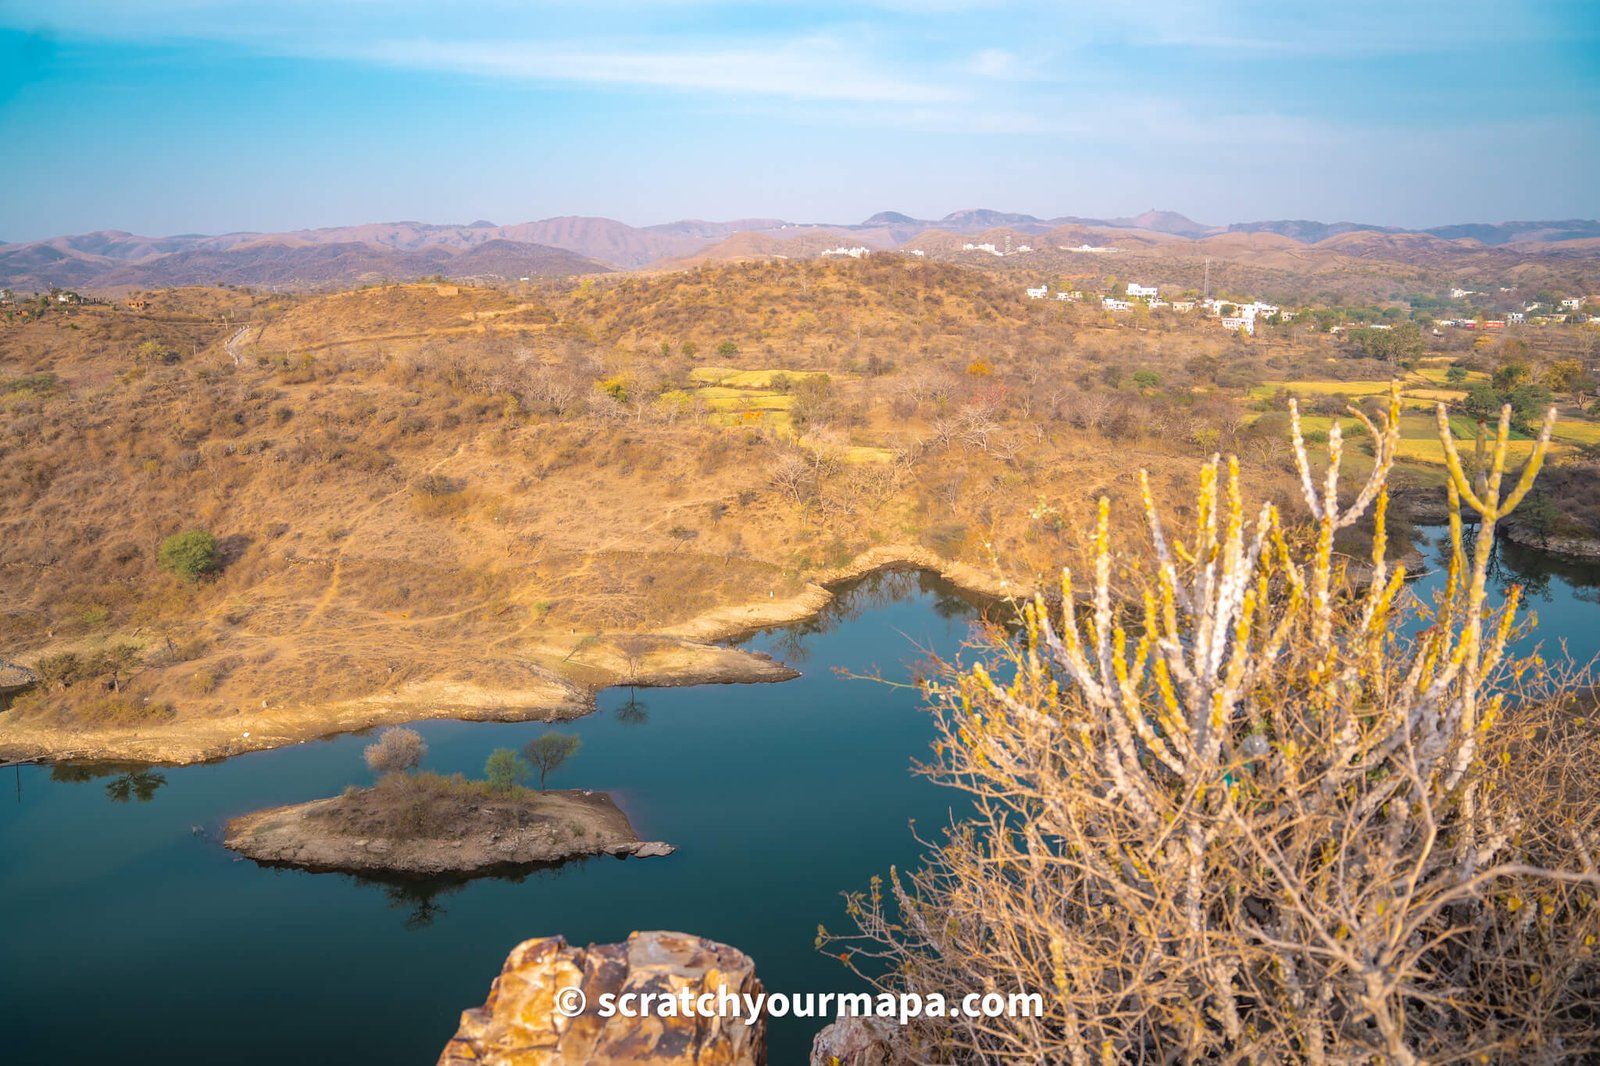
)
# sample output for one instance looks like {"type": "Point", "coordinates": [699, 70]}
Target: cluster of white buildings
{"type": "Point", "coordinates": [1244, 315]}
{"type": "Point", "coordinates": [853, 253]}
{"type": "Point", "coordinates": [1238, 315]}
{"type": "Point", "coordinates": [989, 247]}
{"type": "Point", "coordinates": [1043, 293]}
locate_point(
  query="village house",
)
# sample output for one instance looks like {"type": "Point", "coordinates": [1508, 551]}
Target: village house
{"type": "Point", "coordinates": [1111, 303]}
{"type": "Point", "coordinates": [1039, 293]}
{"type": "Point", "coordinates": [1136, 291]}
{"type": "Point", "coordinates": [853, 253]}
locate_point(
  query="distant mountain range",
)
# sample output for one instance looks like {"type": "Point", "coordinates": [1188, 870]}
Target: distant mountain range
{"type": "Point", "coordinates": [113, 260]}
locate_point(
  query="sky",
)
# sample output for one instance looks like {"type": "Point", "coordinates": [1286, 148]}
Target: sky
{"type": "Point", "coordinates": [205, 116]}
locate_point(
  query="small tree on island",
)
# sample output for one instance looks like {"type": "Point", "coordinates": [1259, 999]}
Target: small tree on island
{"type": "Point", "coordinates": [548, 752]}
{"type": "Point", "coordinates": [396, 751]}
{"type": "Point", "coordinates": [505, 769]}
{"type": "Point", "coordinates": [188, 554]}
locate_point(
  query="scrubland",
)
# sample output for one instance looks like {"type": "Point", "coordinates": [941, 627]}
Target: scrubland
{"type": "Point", "coordinates": [443, 500]}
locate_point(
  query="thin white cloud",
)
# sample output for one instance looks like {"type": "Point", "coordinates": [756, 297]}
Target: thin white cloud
{"type": "Point", "coordinates": [812, 69]}
{"type": "Point", "coordinates": [994, 63]}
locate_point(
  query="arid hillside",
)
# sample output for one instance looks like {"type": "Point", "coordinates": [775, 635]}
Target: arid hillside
{"type": "Point", "coordinates": [442, 500]}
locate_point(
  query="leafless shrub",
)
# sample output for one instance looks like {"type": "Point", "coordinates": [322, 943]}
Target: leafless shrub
{"type": "Point", "coordinates": [396, 751]}
{"type": "Point", "coordinates": [1244, 817]}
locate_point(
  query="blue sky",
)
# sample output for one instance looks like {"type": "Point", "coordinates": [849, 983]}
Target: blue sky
{"type": "Point", "coordinates": [181, 116]}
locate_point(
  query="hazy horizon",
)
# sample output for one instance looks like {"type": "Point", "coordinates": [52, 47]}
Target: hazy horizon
{"type": "Point", "coordinates": [204, 116]}
{"type": "Point", "coordinates": [4, 239]}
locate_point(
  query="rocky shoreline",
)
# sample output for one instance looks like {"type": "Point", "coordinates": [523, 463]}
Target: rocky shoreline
{"type": "Point", "coordinates": [364, 832]}
{"type": "Point", "coordinates": [1585, 549]}
{"type": "Point", "coordinates": [686, 655]}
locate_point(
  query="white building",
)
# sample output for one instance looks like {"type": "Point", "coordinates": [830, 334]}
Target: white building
{"type": "Point", "coordinates": [1515, 316]}
{"type": "Point", "coordinates": [984, 247]}
{"type": "Point", "coordinates": [1111, 303]}
{"type": "Point", "coordinates": [853, 253]}
{"type": "Point", "coordinates": [1461, 294]}
{"type": "Point", "coordinates": [1571, 303]}
{"type": "Point", "coordinates": [1040, 293]}
{"type": "Point", "coordinates": [1145, 291]}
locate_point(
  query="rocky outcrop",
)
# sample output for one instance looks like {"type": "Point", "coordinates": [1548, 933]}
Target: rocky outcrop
{"type": "Point", "coordinates": [1423, 506]}
{"type": "Point", "coordinates": [1572, 546]}
{"type": "Point", "coordinates": [14, 678]}
{"type": "Point", "coordinates": [528, 1019]}
{"type": "Point", "coordinates": [857, 1042]}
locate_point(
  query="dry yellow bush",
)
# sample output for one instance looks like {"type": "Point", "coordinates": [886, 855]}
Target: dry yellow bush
{"type": "Point", "coordinates": [1247, 816]}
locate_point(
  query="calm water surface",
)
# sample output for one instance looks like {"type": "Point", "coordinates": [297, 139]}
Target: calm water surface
{"type": "Point", "coordinates": [131, 935]}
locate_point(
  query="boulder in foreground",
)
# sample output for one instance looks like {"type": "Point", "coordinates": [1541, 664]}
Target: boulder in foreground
{"type": "Point", "coordinates": [520, 1025]}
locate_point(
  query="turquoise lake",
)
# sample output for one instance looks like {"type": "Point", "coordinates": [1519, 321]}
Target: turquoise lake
{"type": "Point", "coordinates": [132, 936]}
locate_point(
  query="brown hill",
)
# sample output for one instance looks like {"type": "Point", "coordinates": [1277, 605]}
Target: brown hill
{"type": "Point", "coordinates": [798, 242]}
{"type": "Point", "coordinates": [282, 261]}
{"type": "Point", "coordinates": [1072, 235]}
{"type": "Point", "coordinates": [603, 239]}
{"type": "Point", "coordinates": [442, 500]}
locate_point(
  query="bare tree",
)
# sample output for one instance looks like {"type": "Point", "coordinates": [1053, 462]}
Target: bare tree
{"type": "Point", "coordinates": [396, 751]}
{"type": "Point", "coordinates": [548, 752]}
{"type": "Point", "coordinates": [1244, 817]}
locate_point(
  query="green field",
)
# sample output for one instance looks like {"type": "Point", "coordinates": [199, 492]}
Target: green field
{"type": "Point", "coordinates": [746, 379]}
{"type": "Point", "coordinates": [1419, 433]}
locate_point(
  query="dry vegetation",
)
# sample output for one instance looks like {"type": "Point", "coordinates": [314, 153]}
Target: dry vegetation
{"type": "Point", "coordinates": [427, 824]}
{"type": "Point", "coordinates": [1255, 822]}
{"type": "Point", "coordinates": [448, 500]}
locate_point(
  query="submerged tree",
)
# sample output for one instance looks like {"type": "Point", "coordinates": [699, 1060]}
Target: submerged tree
{"type": "Point", "coordinates": [1241, 815]}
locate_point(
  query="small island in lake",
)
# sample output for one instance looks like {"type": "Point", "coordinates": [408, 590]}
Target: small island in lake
{"type": "Point", "coordinates": [428, 824]}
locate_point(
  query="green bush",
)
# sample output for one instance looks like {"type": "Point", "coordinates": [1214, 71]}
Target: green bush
{"type": "Point", "coordinates": [506, 769]}
{"type": "Point", "coordinates": [189, 554]}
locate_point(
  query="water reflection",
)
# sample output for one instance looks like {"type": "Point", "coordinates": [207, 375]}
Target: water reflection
{"type": "Point", "coordinates": [420, 899]}
{"type": "Point", "coordinates": [129, 781]}
{"type": "Point", "coordinates": [852, 600]}
{"type": "Point", "coordinates": [1535, 571]}
{"type": "Point", "coordinates": [419, 896]}
{"type": "Point", "coordinates": [633, 710]}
